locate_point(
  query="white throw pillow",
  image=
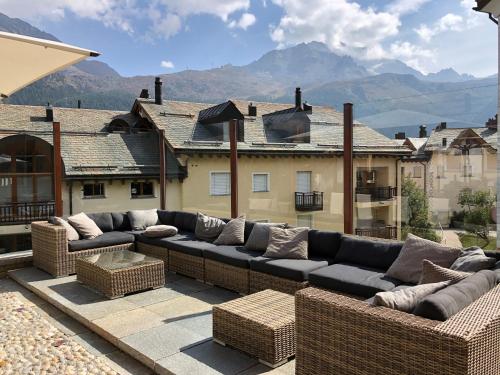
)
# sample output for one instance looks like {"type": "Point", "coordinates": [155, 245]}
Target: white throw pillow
{"type": "Point", "coordinates": [71, 233]}
{"type": "Point", "coordinates": [84, 225]}
{"type": "Point", "coordinates": [160, 231]}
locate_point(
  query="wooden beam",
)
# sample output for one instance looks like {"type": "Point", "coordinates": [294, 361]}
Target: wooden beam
{"type": "Point", "coordinates": [163, 170]}
{"type": "Point", "coordinates": [56, 134]}
{"type": "Point", "coordinates": [348, 169]}
{"type": "Point", "coordinates": [233, 142]}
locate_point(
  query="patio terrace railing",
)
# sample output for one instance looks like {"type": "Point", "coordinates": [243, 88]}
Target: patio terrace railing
{"type": "Point", "coordinates": [387, 232]}
{"type": "Point", "coordinates": [25, 212]}
{"type": "Point", "coordinates": [378, 193]}
{"type": "Point", "coordinates": [312, 201]}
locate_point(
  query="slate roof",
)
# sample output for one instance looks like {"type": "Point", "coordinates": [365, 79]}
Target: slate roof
{"type": "Point", "coordinates": [185, 134]}
{"type": "Point", "coordinates": [87, 148]}
{"type": "Point", "coordinates": [435, 142]}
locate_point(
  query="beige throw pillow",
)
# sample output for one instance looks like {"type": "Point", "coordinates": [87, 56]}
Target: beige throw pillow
{"type": "Point", "coordinates": [233, 232]}
{"type": "Point", "coordinates": [160, 231]}
{"type": "Point", "coordinates": [287, 243]}
{"type": "Point", "coordinates": [407, 299]}
{"type": "Point", "coordinates": [408, 265]}
{"type": "Point", "coordinates": [432, 273]}
{"type": "Point", "coordinates": [71, 233]}
{"type": "Point", "coordinates": [84, 225]}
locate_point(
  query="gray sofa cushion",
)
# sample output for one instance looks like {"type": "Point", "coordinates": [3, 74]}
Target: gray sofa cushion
{"type": "Point", "coordinates": [184, 242]}
{"type": "Point", "coordinates": [135, 233]}
{"type": "Point", "coordinates": [293, 269]}
{"type": "Point", "coordinates": [353, 279]}
{"type": "Point", "coordinates": [185, 221]}
{"type": "Point", "coordinates": [248, 229]}
{"type": "Point", "coordinates": [121, 221]}
{"type": "Point", "coordinates": [369, 253]}
{"type": "Point", "coordinates": [208, 228]}
{"type": "Point", "coordinates": [104, 240]}
{"type": "Point", "coordinates": [450, 300]}
{"type": "Point", "coordinates": [166, 217]}
{"type": "Point", "coordinates": [236, 256]}
{"type": "Point", "coordinates": [473, 259]}
{"type": "Point", "coordinates": [323, 243]}
{"type": "Point", "coordinates": [104, 220]}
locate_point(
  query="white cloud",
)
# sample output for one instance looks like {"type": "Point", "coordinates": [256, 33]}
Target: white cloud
{"type": "Point", "coordinates": [449, 22]}
{"type": "Point", "coordinates": [167, 64]}
{"type": "Point", "coordinates": [411, 54]}
{"type": "Point", "coordinates": [246, 20]}
{"type": "Point", "coordinates": [402, 7]}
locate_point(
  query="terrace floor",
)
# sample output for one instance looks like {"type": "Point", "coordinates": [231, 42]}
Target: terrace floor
{"type": "Point", "coordinates": [169, 329]}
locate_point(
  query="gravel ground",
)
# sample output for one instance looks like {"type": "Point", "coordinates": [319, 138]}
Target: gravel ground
{"type": "Point", "coordinates": [29, 344]}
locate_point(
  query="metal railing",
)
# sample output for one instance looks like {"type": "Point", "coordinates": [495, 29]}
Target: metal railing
{"type": "Point", "coordinates": [25, 212]}
{"type": "Point", "coordinates": [387, 232]}
{"type": "Point", "coordinates": [312, 201]}
{"type": "Point", "coordinates": [378, 193]}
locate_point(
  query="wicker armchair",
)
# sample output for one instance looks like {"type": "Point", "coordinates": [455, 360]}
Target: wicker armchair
{"type": "Point", "coordinates": [50, 249]}
{"type": "Point", "coordinates": [340, 335]}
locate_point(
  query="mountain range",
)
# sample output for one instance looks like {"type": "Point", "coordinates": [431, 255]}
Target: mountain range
{"type": "Point", "coordinates": [387, 94]}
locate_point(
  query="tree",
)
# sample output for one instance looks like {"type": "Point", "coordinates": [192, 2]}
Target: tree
{"type": "Point", "coordinates": [477, 207]}
{"type": "Point", "coordinates": [418, 212]}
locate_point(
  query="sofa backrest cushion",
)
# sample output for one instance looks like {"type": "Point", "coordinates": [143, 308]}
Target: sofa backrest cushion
{"type": "Point", "coordinates": [248, 229]}
{"type": "Point", "coordinates": [104, 220]}
{"type": "Point", "coordinates": [121, 221]}
{"type": "Point", "coordinates": [185, 221]}
{"type": "Point", "coordinates": [166, 217]}
{"type": "Point", "coordinates": [324, 243]}
{"type": "Point", "coordinates": [370, 253]}
{"type": "Point", "coordinates": [450, 300]}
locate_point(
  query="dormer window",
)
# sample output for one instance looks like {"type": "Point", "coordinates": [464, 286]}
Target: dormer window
{"type": "Point", "coordinates": [216, 119]}
{"type": "Point", "coordinates": [118, 125]}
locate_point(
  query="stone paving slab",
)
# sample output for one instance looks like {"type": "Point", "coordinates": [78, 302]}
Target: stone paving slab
{"type": "Point", "coordinates": [168, 329]}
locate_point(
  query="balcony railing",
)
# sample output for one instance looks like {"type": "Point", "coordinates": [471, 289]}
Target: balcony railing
{"type": "Point", "coordinates": [312, 201]}
{"type": "Point", "coordinates": [387, 232]}
{"type": "Point", "coordinates": [377, 193]}
{"type": "Point", "coordinates": [25, 213]}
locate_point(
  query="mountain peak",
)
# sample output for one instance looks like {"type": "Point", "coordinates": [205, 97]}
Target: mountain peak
{"type": "Point", "coordinates": [448, 75]}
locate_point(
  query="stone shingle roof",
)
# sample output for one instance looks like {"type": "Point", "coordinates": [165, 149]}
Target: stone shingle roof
{"type": "Point", "coordinates": [435, 142]}
{"type": "Point", "coordinates": [185, 134]}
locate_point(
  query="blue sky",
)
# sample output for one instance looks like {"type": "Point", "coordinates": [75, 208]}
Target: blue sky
{"type": "Point", "coordinates": [138, 37]}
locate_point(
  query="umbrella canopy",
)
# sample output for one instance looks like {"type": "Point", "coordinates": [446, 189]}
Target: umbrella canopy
{"type": "Point", "coordinates": [24, 60]}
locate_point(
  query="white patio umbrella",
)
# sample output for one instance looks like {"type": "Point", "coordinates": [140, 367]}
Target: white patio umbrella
{"type": "Point", "coordinates": [24, 60]}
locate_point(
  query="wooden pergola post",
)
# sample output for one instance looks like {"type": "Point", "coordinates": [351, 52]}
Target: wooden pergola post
{"type": "Point", "coordinates": [163, 171]}
{"type": "Point", "coordinates": [56, 140]}
{"type": "Point", "coordinates": [348, 169]}
{"type": "Point", "coordinates": [233, 142]}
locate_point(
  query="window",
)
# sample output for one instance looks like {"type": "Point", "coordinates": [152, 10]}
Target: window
{"type": "Point", "coordinates": [305, 221]}
{"type": "Point", "coordinates": [467, 170]}
{"type": "Point", "coordinates": [417, 172]}
{"type": "Point", "coordinates": [303, 182]}
{"type": "Point", "coordinates": [95, 190]}
{"type": "Point", "coordinates": [141, 189]}
{"type": "Point", "coordinates": [260, 182]}
{"type": "Point", "coordinates": [220, 183]}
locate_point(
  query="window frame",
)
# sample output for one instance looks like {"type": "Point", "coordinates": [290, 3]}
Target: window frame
{"type": "Point", "coordinates": [210, 186]}
{"type": "Point", "coordinates": [94, 195]}
{"type": "Point", "coordinates": [141, 195]}
{"type": "Point", "coordinates": [268, 182]}
{"type": "Point", "coordinates": [419, 174]}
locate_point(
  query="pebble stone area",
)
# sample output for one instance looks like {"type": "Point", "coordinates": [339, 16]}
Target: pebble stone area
{"type": "Point", "coordinates": [29, 344]}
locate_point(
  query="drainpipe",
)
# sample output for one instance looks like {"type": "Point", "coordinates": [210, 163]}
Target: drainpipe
{"type": "Point", "coordinates": [425, 176]}
{"type": "Point", "coordinates": [233, 141]}
{"type": "Point", "coordinates": [348, 170]}
{"type": "Point", "coordinates": [71, 197]}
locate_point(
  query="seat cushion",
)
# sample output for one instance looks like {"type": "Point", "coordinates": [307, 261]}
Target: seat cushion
{"type": "Point", "coordinates": [323, 243]}
{"type": "Point", "coordinates": [353, 279]}
{"type": "Point", "coordinates": [293, 269]}
{"type": "Point", "coordinates": [236, 256]}
{"type": "Point", "coordinates": [121, 221]}
{"type": "Point", "coordinates": [370, 253]}
{"type": "Point", "coordinates": [104, 220]}
{"type": "Point", "coordinates": [135, 233]}
{"type": "Point", "coordinates": [184, 242]}
{"type": "Point", "coordinates": [185, 221]}
{"type": "Point", "coordinates": [105, 239]}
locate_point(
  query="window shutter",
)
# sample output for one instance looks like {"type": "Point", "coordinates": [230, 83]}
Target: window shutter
{"type": "Point", "coordinates": [303, 182]}
{"type": "Point", "coordinates": [220, 183]}
{"type": "Point", "coordinates": [260, 182]}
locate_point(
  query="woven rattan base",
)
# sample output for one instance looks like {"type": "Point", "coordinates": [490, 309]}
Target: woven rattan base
{"type": "Point", "coordinates": [226, 276]}
{"type": "Point", "coordinates": [154, 251]}
{"type": "Point", "coordinates": [261, 281]}
{"type": "Point", "coordinates": [260, 324]}
{"type": "Point", "coordinates": [187, 265]}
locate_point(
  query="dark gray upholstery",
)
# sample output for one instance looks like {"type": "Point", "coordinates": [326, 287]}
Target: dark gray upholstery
{"type": "Point", "coordinates": [236, 256]}
{"type": "Point", "coordinates": [323, 243]}
{"type": "Point", "coordinates": [369, 253]}
{"type": "Point", "coordinates": [353, 279]}
{"type": "Point", "coordinates": [166, 217]}
{"type": "Point", "coordinates": [135, 233]}
{"type": "Point", "coordinates": [184, 242]}
{"type": "Point", "coordinates": [450, 300]}
{"type": "Point", "coordinates": [185, 221]}
{"type": "Point", "coordinates": [105, 239]}
{"type": "Point", "coordinates": [248, 228]}
{"type": "Point", "coordinates": [293, 269]}
{"type": "Point", "coordinates": [121, 221]}
{"type": "Point", "coordinates": [103, 220]}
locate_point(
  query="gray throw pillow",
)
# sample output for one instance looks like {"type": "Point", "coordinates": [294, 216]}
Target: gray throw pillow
{"type": "Point", "coordinates": [208, 228]}
{"type": "Point", "coordinates": [71, 233]}
{"type": "Point", "coordinates": [160, 231]}
{"type": "Point", "coordinates": [473, 259]}
{"type": "Point", "coordinates": [432, 273]}
{"type": "Point", "coordinates": [85, 226]}
{"type": "Point", "coordinates": [141, 219]}
{"type": "Point", "coordinates": [233, 232]}
{"type": "Point", "coordinates": [408, 265]}
{"type": "Point", "coordinates": [408, 298]}
{"type": "Point", "coordinates": [259, 236]}
{"type": "Point", "coordinates": [287, 243]}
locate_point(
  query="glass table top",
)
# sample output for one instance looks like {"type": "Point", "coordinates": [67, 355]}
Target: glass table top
{"type": "Point", "coordinates": [120, 259]}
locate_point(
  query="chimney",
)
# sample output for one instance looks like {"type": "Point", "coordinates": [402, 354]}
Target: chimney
{"type": "Point", "coordinates": [400, 135]}
{"type": "Point", "coordinates": [158, 84]}
{"type": "Point", "coordinates": [79, 103]}
{"type": "Point", "coordinates": [298, 98]}
{"type": "Point", "coordinates": [492, 123]}
{"type": "Point", "coordinates": [144, 94]}
{"type": "Point", "coordinates": [444, 142]}
{"type": "Point", "coordinates": [441, 126]}
{"type": "Point", "coordinates": [49, 113]}
{"type": "Point", "coordinates": [422, 133]}
{"type": "Point", "coordinates": [307, 107]}
{"type": "Point", "coordinates": [252, 110]}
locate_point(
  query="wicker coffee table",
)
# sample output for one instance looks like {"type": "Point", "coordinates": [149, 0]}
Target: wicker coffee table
{"type": "Point", "coordinates": [261, 324]}
{"type": "Point", "coordinates": [117, 273]}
